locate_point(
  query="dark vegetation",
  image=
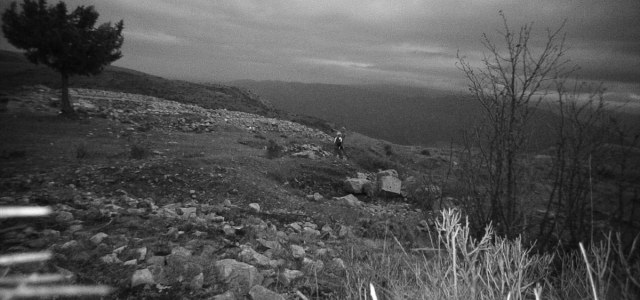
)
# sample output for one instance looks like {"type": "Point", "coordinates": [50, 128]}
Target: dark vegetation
{"type": "Point", "coordinates": [65, 42]}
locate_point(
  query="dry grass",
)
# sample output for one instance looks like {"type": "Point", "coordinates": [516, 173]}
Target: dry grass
{"type": "Point", "coordinates": [493, 268]}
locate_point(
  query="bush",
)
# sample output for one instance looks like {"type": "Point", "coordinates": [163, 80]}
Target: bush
{"type": "Point", "coordinates": [388, 150]}
{"type": "Point", "coordinates": [274, 150]}
{"type": "Point", "coordinates": [82, 151]}
{"type": "Point", "coordinates": [140, 150]}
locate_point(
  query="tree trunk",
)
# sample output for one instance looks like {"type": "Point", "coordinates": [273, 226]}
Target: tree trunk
{"type": "Point", "coordinates": [65, 102]}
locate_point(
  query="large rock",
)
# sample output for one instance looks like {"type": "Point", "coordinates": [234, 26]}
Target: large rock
{"type": "Point", "coordinates": [355, 185]}
{"type": "Point", "coordinates": [239, 276]}
{"type": "Point", "coordinates": [390, 186]}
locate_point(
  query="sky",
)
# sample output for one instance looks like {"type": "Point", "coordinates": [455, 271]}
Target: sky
{"type": "Point", "coordinates": [411, 42]}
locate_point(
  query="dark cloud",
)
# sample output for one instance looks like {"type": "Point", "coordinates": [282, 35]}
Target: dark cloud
{"type": "Point", "coordinates": [362, 41]}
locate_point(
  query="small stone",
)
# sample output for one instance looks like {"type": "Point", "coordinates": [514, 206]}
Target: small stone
{"type": "Point", "coordinates": [110, 259]}
{"type": "Point", "coordinates": [188, 212]}
{"type": "Point", "coordinates": [119, 250]}
{"type": "Point", "coordinates": [142, 253]}
{"type": "Point", "coordinates": [255, 207]}
{"type": "Point", "coordinates": [297, 251]}
{"type": "Point", "coordinates": [338, 262]}
{"type": "Point", "coordinates": [310, 266]}
{"type": "Point", "coordinates": [229, 295]}
{"type": "Point", "coordinates": [197, 282]}
{"type": "Point", "coordinates": [70, 244]}
{"type": "Point", "coordinates": [98, 238]}
{"type": "Point", "coordinates": [64, 217]}
{"type": "Point", "coordinates": [296, 227]}
{"type": "Point", "coordinates": [228, 230]}
{"type": "Point", "coordinates": [181, 251]}
{"type": "Point", "coordinates": [259, 292]}
{"type": "Point", "coordinates": [287, 276]}
{"type": "Point", "coordinates": [74, 228]}
{"type": "Point", "coordinates": [132, 262]}
{"type": "Point", "coordinates": [156, 260]}
{"type": "Point", "coordinates": [143, 276]}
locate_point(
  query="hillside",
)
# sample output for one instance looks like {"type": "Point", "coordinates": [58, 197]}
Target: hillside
{"type": "Point", "coordinates": [163, 177]}
{"type": "Point", "coordinates": [164, 199]}
{"type": "Point", "coordinates": [15, 71]}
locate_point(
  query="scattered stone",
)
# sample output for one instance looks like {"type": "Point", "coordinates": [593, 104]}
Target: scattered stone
{"type": "Point", "coordinates": [349, 200]}
{"type": "Point", "coordinates": [142, 253]}
{"type": "Point", "coordinates": [188, 212]}
{"type": "Point", "coordinates": [98, 238]}
{"type": "Point", "coordinates": [156, 260]}
{"type": "Point", "coordinates": [197, 282]}
{"type": "Point", "coordinates": [296, 227]}
{"type": "Point", "coordinates": [111, 259]}
{"type": "Point", "coordinates": [228, 230]}
{"type": "Point", "coordinates": [229, 295]}
{"type": "Point", "coordinates": [250, 256]}
{"type": "Point", "coordinates": [297, 251]}
{"type": "Point", "coordinates": [143, 276]}
{"type": "Point", "coordinates": [132, 262]}
{"type": "Point", "coordinates": [310, 266]}
{"type": "Point", "coordinates": [255, 207]}
{"type": "Point", "coordinates": [181, 269]}
{"type": "Point", "coordinates": [338, 263]}
{"type": "Point", "coordinates": [70, 245]}
{"type": "Point", "coordinates": [287, 276]}
{"type": "Point", "coordinates": [64, 217]}
{"type": "Point", "coordinates": [355, 185]}
{"type": "Point", "coordinates": [269, 244]}
{"type": "Point", "coordinates": [259, 292]}
{"type": "Point", "coordinates": [239, 276]}
{"type": "Point", "coordinates": [181, 251]}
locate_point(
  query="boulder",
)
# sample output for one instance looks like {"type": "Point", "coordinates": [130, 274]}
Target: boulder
{"type": "Point", "coordinates": [355, 185]}
{"type": "Point", "coordinates": [239, 276]}
{"type": "Point", "coordinates": [390, 186]}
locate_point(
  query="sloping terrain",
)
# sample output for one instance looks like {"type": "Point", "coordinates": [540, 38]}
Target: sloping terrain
{"type": "Point", "coordinates": [143, 184]}
{"type": "Point", "coordinates": [15, 71]}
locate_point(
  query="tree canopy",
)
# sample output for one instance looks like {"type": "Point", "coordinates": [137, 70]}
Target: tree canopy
{"type": "Point", "coordinates": [66, 42]}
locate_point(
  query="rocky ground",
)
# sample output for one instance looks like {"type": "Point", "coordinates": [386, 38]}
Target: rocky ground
{"type": "Point", "coordinates": [160, 199]}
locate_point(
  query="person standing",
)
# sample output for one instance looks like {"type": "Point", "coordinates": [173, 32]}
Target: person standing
{"type": "Point", "coordinates": [338, 146]}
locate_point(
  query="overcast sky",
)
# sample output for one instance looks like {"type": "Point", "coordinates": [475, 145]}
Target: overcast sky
{"type": "Point", "coordinates": [362, 41]}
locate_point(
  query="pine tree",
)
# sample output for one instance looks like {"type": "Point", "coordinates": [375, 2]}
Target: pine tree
{"type": "Point", "coordinates": [65, 42]}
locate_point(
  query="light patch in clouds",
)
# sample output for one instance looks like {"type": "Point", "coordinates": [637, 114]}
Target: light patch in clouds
{"type": "Point", "coordinates": [339, 63]}
{"type": "Point", "coordinates": [153, 36]}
